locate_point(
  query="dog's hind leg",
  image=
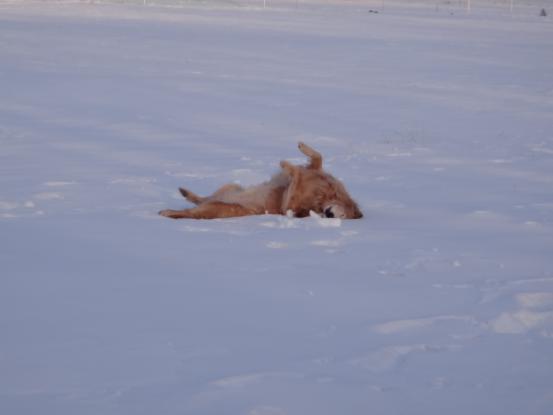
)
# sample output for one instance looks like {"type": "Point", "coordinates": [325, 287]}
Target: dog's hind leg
{"type": "Point", "coordinates": [209, 210]}
{"type": "Point", "coordinates": [315, 158]}
{"type": "Point", "coordinates": [191, 197]}
{"type": "Point", "coordinates": [290, 194]}
{"type": "Point", "coordinates": [175, 214]}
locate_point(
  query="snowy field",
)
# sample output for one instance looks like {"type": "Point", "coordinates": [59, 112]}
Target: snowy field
{"type": "Point", "coordinates": [440, 123]}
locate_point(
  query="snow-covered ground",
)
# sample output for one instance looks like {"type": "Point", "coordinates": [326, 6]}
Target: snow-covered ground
{"type": "Point", "coordinates": [440, 123]}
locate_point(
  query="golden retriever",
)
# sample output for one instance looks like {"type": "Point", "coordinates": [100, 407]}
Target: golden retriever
{"type": "Point", "coordinates": [295, 190]}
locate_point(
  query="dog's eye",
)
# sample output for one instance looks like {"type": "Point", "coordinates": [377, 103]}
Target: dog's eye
{"type": "Point", "coordinates": [328, 212]}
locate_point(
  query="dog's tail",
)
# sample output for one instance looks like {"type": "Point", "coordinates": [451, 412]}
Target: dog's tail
{"type": "Point", "coordinates": [190, 196]}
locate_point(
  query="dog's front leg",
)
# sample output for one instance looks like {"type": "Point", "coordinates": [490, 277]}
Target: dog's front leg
{"type": "Point", "coordinates": [315, 158]}
{"type": "Point", "coordinates": [289, 197]}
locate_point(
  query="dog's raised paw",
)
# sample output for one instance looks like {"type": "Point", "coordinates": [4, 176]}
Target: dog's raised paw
{"type": "Point", "coordinates": [286, 165]}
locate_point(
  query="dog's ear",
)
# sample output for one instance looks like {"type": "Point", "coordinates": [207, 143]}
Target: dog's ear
{"type": "Point", "coordinates": [315, 158]}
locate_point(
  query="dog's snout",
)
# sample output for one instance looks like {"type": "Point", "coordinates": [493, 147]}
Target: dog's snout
{"type": "Point", "coordinates": [328, 212]}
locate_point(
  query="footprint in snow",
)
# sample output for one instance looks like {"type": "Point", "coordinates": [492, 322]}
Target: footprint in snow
{"type": "Point", "coordinates": [59, 183]}
{"type": "Point", "coordinates": [391, 357]}
{"type": "Point", "coordinates": [12, 210]}
{"type": "Point", "coordinates": [327, 243]}
{"type": "Point", "coordinates": [332, 245]}
{"type": "Point", "coordinates": [535, 311]}
{"type": "Point", "coordinates": [266, 410]}
{"type": "Point", "coordinates": [276, 245]}
{"type": "Point", "coordinates": [8, 205]}
{"type": "Point", "coordinates": [410, 325]}
{"type": "Point", "coordinates": [53, 195]}
{"type": "Point", "coordinates": [249, 379]}
{"type": "Point", "coordinates": [49, 196]}
{"type": "Point", "coordinates": [140, 186]}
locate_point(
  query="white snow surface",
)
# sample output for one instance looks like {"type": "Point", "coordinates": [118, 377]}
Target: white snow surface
{"type": "Point", "coordinates": [439, 122]}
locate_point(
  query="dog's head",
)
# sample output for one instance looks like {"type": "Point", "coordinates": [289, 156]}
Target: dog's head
{"type": "Point", "coordinates": [317, 191]}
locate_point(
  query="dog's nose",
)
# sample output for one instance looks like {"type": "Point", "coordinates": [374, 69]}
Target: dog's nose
{"type": "Point", "coordinates": [328, 212]}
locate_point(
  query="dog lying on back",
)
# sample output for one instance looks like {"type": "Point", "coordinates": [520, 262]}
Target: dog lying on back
{"type": "Point", "coordinates": [296, 189]}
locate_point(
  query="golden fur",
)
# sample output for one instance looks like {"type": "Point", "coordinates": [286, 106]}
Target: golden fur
{"type": "Point", "coordinates": [299, 189]}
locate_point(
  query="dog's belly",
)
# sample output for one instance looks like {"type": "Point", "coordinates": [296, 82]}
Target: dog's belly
{"type": "Point", "coordinates": [263, 198]}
